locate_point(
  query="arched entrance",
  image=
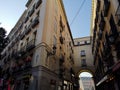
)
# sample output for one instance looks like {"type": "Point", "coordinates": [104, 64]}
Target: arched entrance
{"type": "Point", "coordinates": [86, 80]}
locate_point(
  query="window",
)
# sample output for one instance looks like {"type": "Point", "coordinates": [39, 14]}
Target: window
{"type": "Point", "coordinates": [31, 20]}
{"type": "Point", "coordinates": [21, 45]}
{"type": "Point", "coordinates": [82, 42]}
{"type": "Point", "coordinates": [34, 37]}
{"type": "Point", "coordinates": [38, 13]}
{"type": "Point", "coordinates": [82, 53]}
{"type": "Point", "coordinates": [83, 62]}
{"type": "Point", "coordinates": [27, 40]}
{"type": "Point", "coordinates": [112, 25]}
{"type": "Point", "coordinates": [78, 43]}
{"type": "Point", "coordinates": [55, 25]}
{"type": "Point", "coordinates": [88, 42]}
{"type": "Point", "coordinates": [54, 41]}
{"type": "Point", "coordinates": [56, 7]}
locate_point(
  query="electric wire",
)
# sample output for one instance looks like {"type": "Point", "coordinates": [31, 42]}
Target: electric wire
{"type": "Point", "coordinates": [78, 12]}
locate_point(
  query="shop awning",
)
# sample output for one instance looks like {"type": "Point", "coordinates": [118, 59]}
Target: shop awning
{"type": "Point", "coordinates": [116, 67]}
{"type": "Point", "coordinates": [102, 80]}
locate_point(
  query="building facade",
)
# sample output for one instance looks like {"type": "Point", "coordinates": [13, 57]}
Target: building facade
{"type": "Point", "coordinates": [83, 55]}
{"type": "Point", "coordinates": [105, 30]}
{"type": "Point", "coordinates": [40, 53]}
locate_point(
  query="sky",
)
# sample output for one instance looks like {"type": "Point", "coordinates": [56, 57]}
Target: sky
{"type": "Point", "coordinates": [78, 15]}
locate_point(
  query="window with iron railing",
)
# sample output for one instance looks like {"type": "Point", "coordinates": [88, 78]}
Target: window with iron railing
{"type": "Point", "coordinates": [83, 63]}
{"type": "Point", "coordinates": [106, 7]}
{"type": "Point", "coordinates": [118, 14]}
{"type": "Point", "coordinates": [26, 19]}
{"type": "Point", "coordinates": [35, 22]}
{"type": "Point", "coordinates": [98, 5]}
{"type": "Point", "coordinates": [96, 18]}
{"type": "Point", "coordinates": [112, 25]}
{"type": "Point", "coordinates": [82, 53]}
{"type": "Point", "coordinates": [114, 32]}
{"type": "Point", "coordinates": [54, 41]}
{"type": "Point", "coordinates": [102, 22]}
{"type": "Point", "coordinates": [30, 45]}
{"type": "Point", "coordinates": [38, 3]}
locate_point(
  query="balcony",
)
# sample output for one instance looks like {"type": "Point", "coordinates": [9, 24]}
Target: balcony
{"type": "Point", "coordinates": [98, 5]}
{"type": "Point", "coordinates": [107, 52]}
{"type": "Point", "coordinates": [61, 59]}
{"type": "Point", "coordinates": [38, 3]}
{"type": "Point", "coordinates": [102, 23]}
{"type": "Point", "coordinates": [31, 12]}
{"type": "Point", "coordinates": [61, 39]}
{"type": "Point", "coordinates": [118, 14]}
{"type": "Point", "coordinates": [98, 44]}
{"type": "Point", "coordinates": [117, 48]}
{"type": "Point", "coordinates": [106, 7]}
{"type": "Point", "coordinates": [28, 29]}
{"type": "Point", "coordinates": [26, 19]}
{"type": "Point", "coordinates": [23, 50]}
{"type": "Point", "coordinates": [94, 32]}
{"type": "Point", "coordinates": [71, 58]}
{"type": "Point", "coordinates": [95, 58]}
{"type": "Point", "coordinates": [35, 22]}
{"type": "Point", "coordinates": [100, 34]}
{"type": "Point", "coordinates": [28, 63]}
{"type": "Point", "coordinates": [96, 18]}
{"type": "Point", "coordinates": [113, 37]}
{"type": "Point", "coordinates": [17, 39]}
{"type": "Point", "coordinates": [22, 35]}
{"type": "Point", "coordinates": [17, 55]}
{"type": "Point", "coordinates": [30, 45]}
{"type": "Point", "coordinates": [28, 3]}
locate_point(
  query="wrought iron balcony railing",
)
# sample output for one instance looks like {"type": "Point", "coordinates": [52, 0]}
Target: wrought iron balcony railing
{"type": "Point", "coordinates": [61, 39]}
{"type": "Point", "coordinates": [106, 7]}
{"type": "Point", "coordinates": [22, 35]}
{"type": "Point", "coordinates": [31, 12]}
{"type": "Point", "coordinates": [28, 29]}
{"type": "Point", "coordinates": [102, 23]}
{"type": "Point", "coordinates": [113, 37]}
{"type": "Point", "coordinates": [62, 58]}
{"type": "Point", "coordinates": [96, 18]}
{"type": "Point", "coordinates": [26, 19]}
{"type": "Point", "coordinates": [118, 14]}
{"type": "Point", "coordinates": [98, 5]}
{"type": "Point", "coordinates": [35, 22]}
{"type": "Point", "coordinates": [100, 34]}
{"type": "Point", "coordinates": [30, 45]}
{"type": "Point", "coordinates": [38, 3]}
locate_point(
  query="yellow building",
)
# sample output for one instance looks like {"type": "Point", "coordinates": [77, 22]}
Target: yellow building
{"type": "Point", "coordinates": [40, 53]}
{"type": "Point", "coordinates": [83, 55]}
{"type": "Point", "coordinates": [105, 46]}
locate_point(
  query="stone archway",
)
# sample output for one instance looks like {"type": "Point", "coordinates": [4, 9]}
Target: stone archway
{"type": "Point", "coordinates": [83, 80]}
{"type": "Point", "coordinates": [85, 70]}
{"type": "Point", "coordinates": [78, 70]}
